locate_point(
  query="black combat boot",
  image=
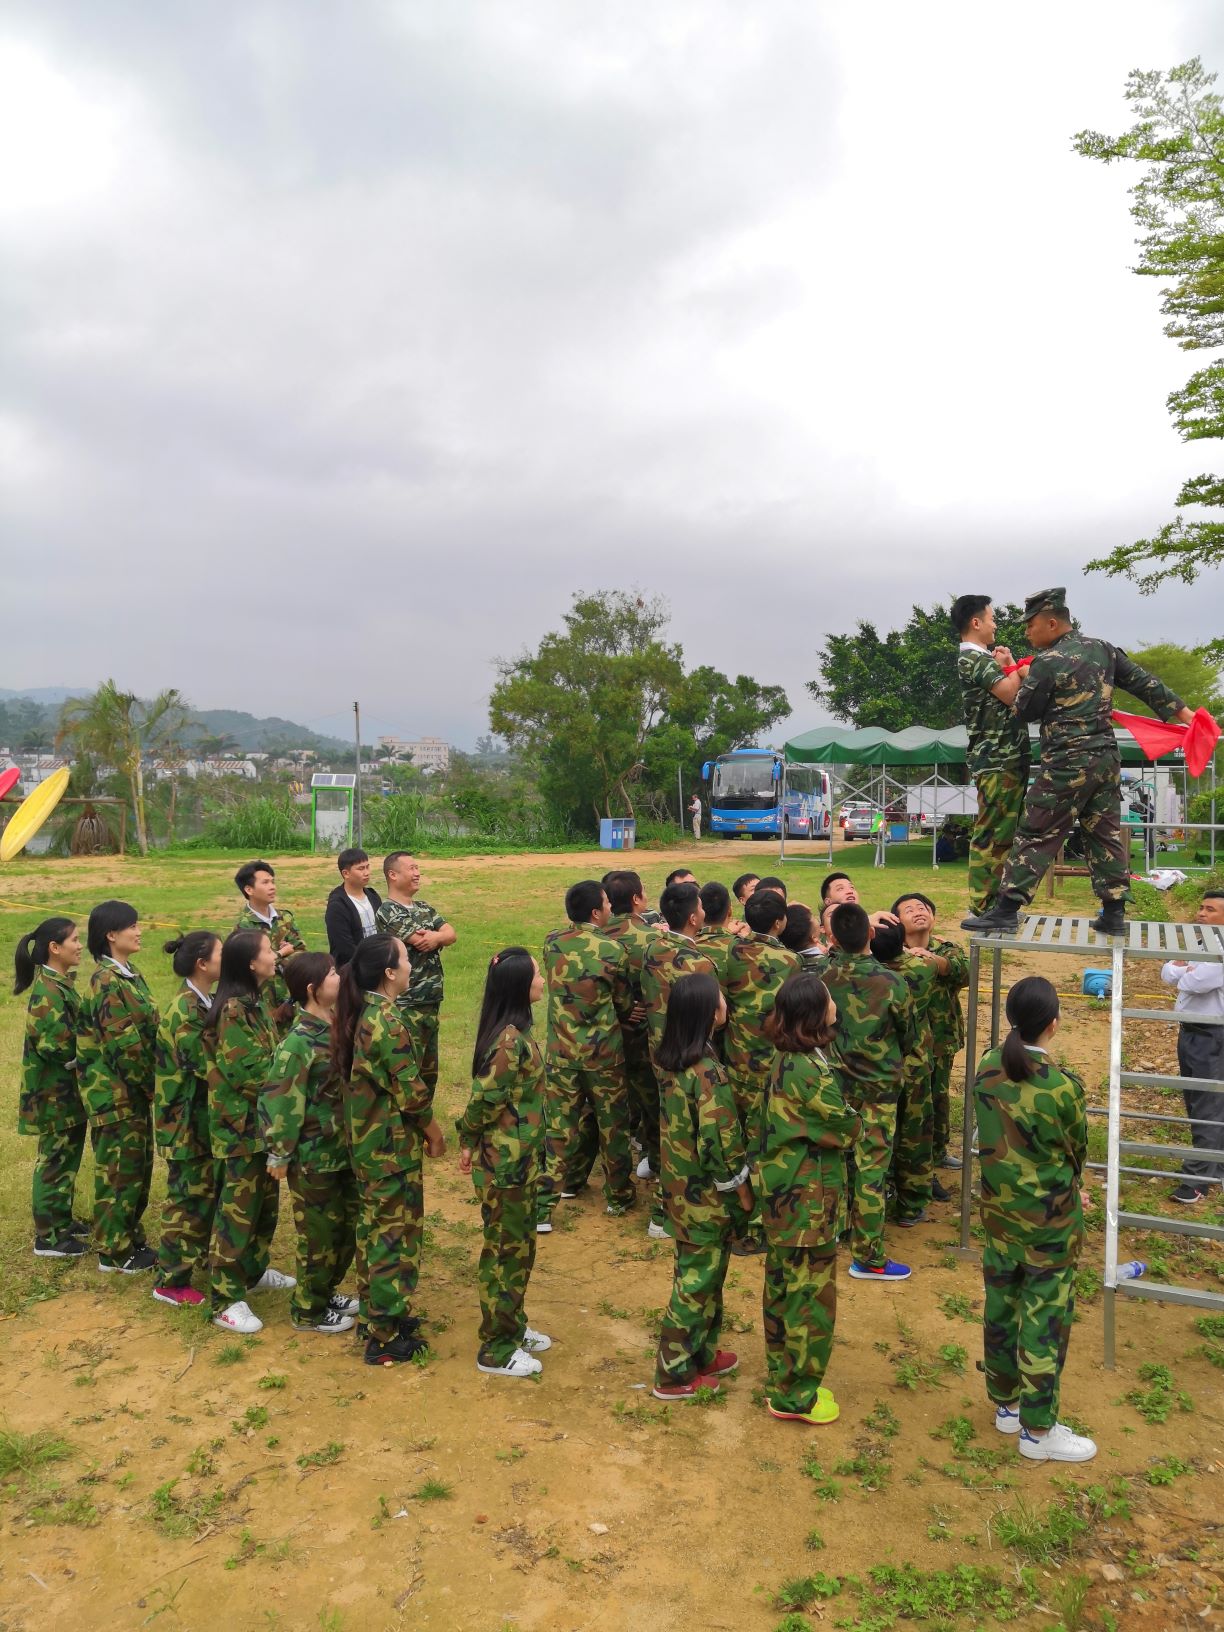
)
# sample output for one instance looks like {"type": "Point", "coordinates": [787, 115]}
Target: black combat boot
{"type": "Point", "coordinates": [1001, 919]}
{"type": "Point", "coordinates": [1111, 920]}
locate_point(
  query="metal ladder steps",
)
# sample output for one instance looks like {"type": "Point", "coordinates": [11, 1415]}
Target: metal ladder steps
{"type": "Point", "coordinates": [1152, 1079]}
{"type": "Point", "coordinates": [1172, 1294]}
{"type": "Point", "coordinates": [1149, 1172]}
{"type": "Point", "coordinates": [1154, 1116]}
{"type": "Point", "coordinates": [1133, 1147]}
{"type": "Point", "coordinates": [1169, 1226]}
{"type": "Point", "coordinates": [1169, 1014]}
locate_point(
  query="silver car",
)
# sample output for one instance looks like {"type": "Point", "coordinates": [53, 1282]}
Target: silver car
{"type": "Point", "coordinates": [859, 821]}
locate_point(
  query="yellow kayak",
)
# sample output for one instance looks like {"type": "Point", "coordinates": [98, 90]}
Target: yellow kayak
{"type": "Point", "coordinates": [31, 813]}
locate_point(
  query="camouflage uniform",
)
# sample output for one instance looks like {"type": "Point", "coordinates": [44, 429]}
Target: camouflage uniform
{"type": "Point", "coordinates": [1069, 688]}
{"type": "Point", "coordinates": [421, 1004]}
{"type": "Point", "coordinates": [716, 941]}
{"type": "Point", "coordinates": [50, 1104]}
{"type": "Point", "coordinates": [876, 1033]}
{"type": "Point", "coordinates": [239, 1047]}
{"type": "Point", "coordinates": [386, 1112]}
{"type": "Point", "coordinates": [503, 1125]}
{"type": "Point", "coordinates": [756, 968]}
{"type": "Point", "coordinates": [912, 1164]}
{"type": "Point", "coordinates": [286, 939]}
{"type": "Point", "coordinates": [1033, 1137]}
{"type": "Point", "coordinates": [670, 956]}
{"type": "Point", "coordinates": [947, 1037]}
{"type": "Point", "coordinates": [637, 937]}
{"type": "Point", "coordinates": [302, 1127]}
{"type": "Point", "coordinates": [801, 1184]}
{"type": "Point", "coordinates": [999, 765]}
{"type": "Point", "coordinates": [115, 1058]}
{"type": "Point", "coordinates": [589, 995]}
{"type": "Point", "coordinates": [180, 1129]}
{"type": "Point", "coordinates": [702, 1163]}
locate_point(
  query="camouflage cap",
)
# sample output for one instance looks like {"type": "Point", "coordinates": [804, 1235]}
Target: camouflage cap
{"type": "Point", "coordinates": [1046, 600]}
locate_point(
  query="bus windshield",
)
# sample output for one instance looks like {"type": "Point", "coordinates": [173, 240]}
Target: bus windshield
{"type": "Point", "coordinates": [743, 778]}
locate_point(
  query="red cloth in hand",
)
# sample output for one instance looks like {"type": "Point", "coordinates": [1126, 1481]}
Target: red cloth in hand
{"type": "Point", "coordinates": [1016, 667]}
{"type": "Point", "coordinates": [1156, 737]}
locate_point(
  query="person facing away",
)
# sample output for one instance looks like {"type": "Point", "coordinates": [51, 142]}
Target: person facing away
{"type": "Point", "coordinates": [1200, 1053]}
{"type": "Point", "coordinates": [351, 915]}
{"type": "Point", "coordinates": [756, 969]}
{"type": "Point", "coordinates": [628, 926]}
{"type": "Point", "coordinates": [1033, 1137]}
{"type": "Point", "coordinates": [674, 953]}
{"type": "Point", "coordinates": [912, 1171]}
{"type": "Point", "coordinates": [916, 914]}
{"type": "Point", "coordinates": [1068, 690]}
{"type": "Point", "coordinates": [256, 883]}
{"type": "Point", "coordinates": [716, 936]}
{"type": "Point", "coordinates": [425, 933]}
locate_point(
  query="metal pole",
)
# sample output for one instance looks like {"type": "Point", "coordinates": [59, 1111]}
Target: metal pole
{"type": "Point", "coordinates": [996, 980]}
{"type": "Point", "coordinates": [1112, 1150]}
{"type": "Point", "coordinates": [934, 826]}
{"type": "Point", "coordinates": [970, 1072]}
{"type": "Point", "coordinates": [680, 795]}
{"type": "Point", "coordinates": [357, 784]}
{"type": "Point", "coordinates": [782, 818]}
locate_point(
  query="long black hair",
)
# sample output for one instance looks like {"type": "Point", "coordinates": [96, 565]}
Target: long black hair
{"type": "Point", "coordinates": [1032, 1007]}
{"type": "Point", "coordinates": [238, 953]}
{"type": "Point", "coordinates": [363, 973]}
{"type": "Point", "coordinates": [32, 949]}
{"type": "Point", "coordinates": [692, 1004]}
{"type": "Point", "coordinates": [507, 1001]}
{"type": "Point", "coordinates": [108, 918]}
{"type": "Point", "coordinates": [189, 949]}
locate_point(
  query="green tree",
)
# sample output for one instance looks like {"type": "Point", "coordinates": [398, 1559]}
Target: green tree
{"type": "Point", "coordinates": [120, 729]}
{"type": "Point", "coordinates": [904, 677]}
{"type": "Point", "coordinates": [707, 714]}
{"type": "Point", "coordinates": [1178, 204]}
{"type": "Point", "coordinates": [1191, 671]}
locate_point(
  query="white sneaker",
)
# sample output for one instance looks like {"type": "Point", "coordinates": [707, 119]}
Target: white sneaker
{"type": "Point", "coordinates": [568, 1195]}
{"type": "Point", "coordinates": [238, 1318]}
{"type": "Point", "coordinates": [535, 1341]}
{"type": "Point", "coordinates": [273, 1280]}
{"type": "Point", "coordinates": [543, 1226]}
{"type": "Point", "coordinates": [657, 1232]}
{"type": "Point", "coordinates": [644, 1169]}
{"type": "Point", "coordinates": [520, 1364]}
{"type": "Point", "coordinates": [1007, 1421]}
{"type": "Point", "coordinates": [344, 1305]}
{"type": "Point", "coordinates": [1059, 1445]}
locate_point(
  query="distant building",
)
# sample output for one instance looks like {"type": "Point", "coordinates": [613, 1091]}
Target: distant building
{"type": "Point", "coordinates": [427, 753]}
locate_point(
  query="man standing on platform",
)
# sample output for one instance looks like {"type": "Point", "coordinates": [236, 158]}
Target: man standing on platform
{"type": "Point", "coordinates": [1069, 690]}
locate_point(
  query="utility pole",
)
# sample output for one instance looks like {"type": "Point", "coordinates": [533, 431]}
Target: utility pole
{"type": "Point", "coordinates": [680, 796]}
{"type": "Point", "coordinates": [357, 795]}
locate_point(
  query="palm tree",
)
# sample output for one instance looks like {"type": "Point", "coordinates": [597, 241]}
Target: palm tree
{"type": "Point", "coordinates": [120, 728]}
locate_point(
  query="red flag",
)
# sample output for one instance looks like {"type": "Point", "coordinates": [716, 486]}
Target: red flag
{"type": "Point", "coordinates": [1156, 737]}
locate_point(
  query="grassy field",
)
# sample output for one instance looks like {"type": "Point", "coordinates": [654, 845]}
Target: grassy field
{"type": "Point", "coordinates": [153, 1472]}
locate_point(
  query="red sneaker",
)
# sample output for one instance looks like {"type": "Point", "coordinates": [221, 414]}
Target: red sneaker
{"type": "Point", "coordinates": [183, 1297]}
{"type": "Point", "coordinates": [723, 1362]}
{"type": "Point", "coordinates": [685, 1391]}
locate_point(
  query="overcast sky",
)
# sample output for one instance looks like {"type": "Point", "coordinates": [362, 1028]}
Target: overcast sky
{"type": "Point", "coordinates": [341, 343]}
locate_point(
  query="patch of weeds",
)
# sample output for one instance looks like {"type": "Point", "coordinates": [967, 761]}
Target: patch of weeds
{"type": "Point", "coordinates": [384, 1513]}
{"type": "Point", "coordinates": [54, 1505]}
{"type": "Point", "coordinates": [233, 1354]}
{"type": "Point", "coordinates": [418, 1447]}
{"type": "Point", "coordinates": [804, 1590]}
{"type": "Point", "coordinates": [1166, 1469]}
{"type": "Point", "coordinates": [948, 1260]}
{"type": "Point", "coordinates": [814, 1541]}
{"type": "Point", "coordinates": [181, 1517]}
{"type": "Point", "coordinates": [642, 1414]}
{"type": "Point", "coordinates": [652, 1319]}
{"type": "Point", "coordinates": [612, 1312]}
{"type": "Point", "coordinates": [1087, 1284]}
{"type": "Point", "coordinates": [1070, 1596]}
{"type": "Point", "coordinates": [916, 1369]}
{"type": "Point", "coordinates": [330, 1453]}
{"type": "Point", "coordinates": [972, 1466]}
{"type": "Point", "coordinates": [941, 1596]}
{"type": "Point", "coordinates": [22, 1453]}
{"type": "Point", "coordinates": [516, 1453]}
{"type": "Point", "coordinates": [1156, 1401]}
{"type": "Point", "coordinates": [273, 1379]}
{"type": "Point", "coordinates": [1213, 1353]}
{"type": "Point", "coordinates": [1209, 1325]}
{"type": "Point", "coordinates": [255, 1416]}
{"type": "Point", "coordinates": [883, 1420]}
{"type": "Point", "coordinates": [421, 1359]}
{"type": "Point", "coordinates": [433, 1490]}
{"type": "Point", "coordinates": [201, 1464]}
{"type": "Point", "coordinates": [827, 1489]}
{"type": "Point", "coordinates": [794, 1623]}
{"type": "Point", "coordinates": [940, 1527]}
{"type": "Point", "coordinates": [1042, 1535]}
{"type": "Point", "coordinates": [956, 1306]}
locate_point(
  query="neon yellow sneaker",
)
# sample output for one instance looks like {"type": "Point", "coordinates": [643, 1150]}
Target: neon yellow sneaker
{"type": "Point", "coordinates": [824, 1409]}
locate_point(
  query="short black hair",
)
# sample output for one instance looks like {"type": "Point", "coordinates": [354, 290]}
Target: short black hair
{"type": "Point", "coordinates": [913, 895]}
{"type": "Point", "coordinates": [763, 909]}
{"type": "Point", "coordinates": [390, 860]}
{"type": "Point", "coordinates": [771, 884]}
{"type": "Point", "coordinates": [678, 903]}
{"type": "Point", "coordinates": [350, 858]}
{"type": "Point", "coordinates": [887, 942]}
{"type": "Point", "coordinates": [829, 879]}
{"type": "Point", "coordinates": [245, 876]}
{"type": "Point", "coordinates": [1213, 895]}
{"type": "Point", "coordinates": [798, 932]}
{"type": "Point", "coordinates": [583, 900]}
{"type": "Point", "coordinates": [967, 607]}
{"type": "Point", "coordinates": [850, 926]}
{"type": "Point", "coordinates": [108, 918]}
{"type": "Point", "coordinates": [623, 889]}
{"type": "Point", "coordinates": [678, 872]}
{"type": "Point", "coordinates": [716, 899]}
{"type": "Point", "coordinates": [741, 884]}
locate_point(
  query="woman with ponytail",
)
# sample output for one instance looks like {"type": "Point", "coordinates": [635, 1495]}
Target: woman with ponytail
{"type": "Point", "coordinates": [50, 1104]}
{"type": "Point", "coordinates": [180, 1120]}
{"type": "Point", "coordinates": [1033, 1138]}
{"type": "Point", "coordinates": [301, 1122]}
{"type": "Point", "coordinates": [387, 1117]}
{"type": "Point", "coordinates": [239, 1042]}
{"type": "Point", "coordinates": [503, 1128]}
{"type": "Point", "coordinates": [118, 1036]}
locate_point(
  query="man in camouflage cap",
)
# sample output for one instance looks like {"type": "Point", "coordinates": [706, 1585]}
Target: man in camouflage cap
{"type": "Point", "coordinates": [1068, 689]}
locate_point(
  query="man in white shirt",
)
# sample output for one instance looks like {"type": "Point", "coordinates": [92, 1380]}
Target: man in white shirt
{"type": "Point", "coordinates": [352, 907]}
{"type": "Point", "coordinates": [1200, 1054]}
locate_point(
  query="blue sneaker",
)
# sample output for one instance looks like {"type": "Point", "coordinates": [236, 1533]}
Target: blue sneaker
{"type": "Point", "coordinates": [887, 1271]}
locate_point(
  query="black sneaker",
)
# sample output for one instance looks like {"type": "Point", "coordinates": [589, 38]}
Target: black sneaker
{"type": "Point", "coordinates": [1188, 1194]}
{"type": "Point", "coordinates": [410, 1325]}
{"type": "Point", "coordinates": [401, 1348]}
{"type": "Point", "coordinates": [940, 1192]}
{"type": "Point", "coordinates": [1111, 920]}
{"type": "Point", "coordinates": [331, 1320]}
{"type": "Point", "coordinates": [1003, 918]}
{"type": "Point", "coordinates": [135, 1263]}
{"type": "Point", "coordinates": [748, 1246]}
{"type": "Point", "coordinates": [81, 1228]}
{"type": "Point", "coordinates": [66, 1247]}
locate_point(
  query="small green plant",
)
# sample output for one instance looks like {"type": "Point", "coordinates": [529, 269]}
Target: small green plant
{"type": "Point", "coordinates": [255, 1416]}
{"type": "Point", "coordinates": [330, 1453]}
{"type": "Point", "coordinates": [813, 1541]}
{"type": "Point", "coordinates": [883, 1420]}
{"type": "Point", "coordinates": [233, 1354]}
{"type": "Point", "coordinates": [1043, 1536]}
{"type": "Point", "coordinates": [1210, 1325]}
{"type": "Point", "coordinates": [804, 1590]}
{"type": "Point", "coordinates": [956, 1306]}
{"type": "Point", "coordinates": [1156, 1401]}
{"type": "Point", "coordinates": [612, 1312]}
{"type": "Point", "coordinates": [384, 1513]}
{"type": "Point", "coordinates": [1070, 1597]}
{"type": "Point", "coordinates": [953, 1357]}
{"type": "Point", "coordinates": [1165, 1470]}
{"type": "Point", "coordinates": [794, 1623]}
{"type": "Point", "coordinates": [641, 1414]}
{"type": "Point", "coordinates": [433, 1490]}
{"type": "Point", "coordinates": [273, 1379]}
{"type": "Point", "coordinates": [201, 1464]}
{"type": "Point", "coordinates": [516, 1453]}
{"type": "Point", "coordinates": [22, 1453]}
{"type": "Point", "coordinates": [55, 1505]}
{"type": "Point", "coordinates": [183, 1517]}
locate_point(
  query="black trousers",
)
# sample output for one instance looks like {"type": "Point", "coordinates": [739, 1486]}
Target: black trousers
{"type": "Point", "coordinates": [1200, 1053]}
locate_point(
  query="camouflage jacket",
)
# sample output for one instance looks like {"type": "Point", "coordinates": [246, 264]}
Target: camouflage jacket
{"type": "Point", "coordinates": [1033, 1137]}
{"type": "Point", "coordinates": [115, 1046]}
{"type": "Point", "coordinates": [701, 1147]}
{"type": "Point", "coordinates": [670, 957]}
{"type": "Point", "coordinates": [998, 737]}
{"type": "Point", "coordinates": [180, 1094]}
{"type": "Point", "coordinates": [1068, 689]}
{"type": "Point", "coordinates": [386, 1105]}
{"type": "Point", "coordinates": [876, 1029]}
{"type": "Point", "coordinates": [301, 1122]}
{"type": "Point", "coordinates": [800, 1168]}
{"type": "Point", "coordinates": [396, 918]}
{"type": "Point", "coordinates": [50, 1099]}
{"type": "Point", "coordinates": [286, 939]}
{"type": "Point", "coordinates": [653, 919]}
{"type": "Point", "coordinates": [756, 969]}
{"type": "Point", "coordinates": [919, 976]}
{"type": "Point", "coordinates": [946, 1015]}
{"type": "Point", "coordinates": [589, 993]}
{"type": "Point", "coordinates": [637, 937]}
{"type": "Point", "coordinates": [717, 941]}
{"type": "Point", "coordinates": [503, 1124]}
{"type": "Point", "coordinates": [239, 1049]}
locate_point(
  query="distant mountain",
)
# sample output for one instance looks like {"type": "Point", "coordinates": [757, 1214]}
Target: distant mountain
{"type": "Point", "coordinates": [52, 696]}
{"type": "Point", "coordinates": [25, 715]}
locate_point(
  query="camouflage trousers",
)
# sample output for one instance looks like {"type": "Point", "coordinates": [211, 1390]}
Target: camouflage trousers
{"type": "Point", "coordinates": [643, 1091]}
{"type": "Point", "coordinates": [123, 1171]}
{"type": "Point", "coordinates": [1026, 1327]}
{"type": "Point", "coordinates": [799, 1307]}
{"type": "Point", "coordinates": [508, 1213]}
{"type": "Point", "coordinates": [1000, 799]}
{"type": "Point", "coordinates": [55, 1172]}
{"type": "Point", "coordinates": [692, 1325]}
{"type": "Point", "coordinates": [388, 1248]}
{"type": "Point", "coordinates": [574, 1091]}
{"type": "Point", "coordinates": [325, 1220]}
{"type": "Point", "coordinates": [243, 1227]}
{"type": "Point", "coordinates": [1086, 794]}
{"type": "Point", "coordinates": [193, 1187]}
{"type": "Point", "coordinates": [423, 1026]}
{"type": "Point", "coordinates": [941, 1106]}
{"type": "Point", "coordinates": [912, 1164]}
{"type": "Point", "coordinates": [872, 1157]}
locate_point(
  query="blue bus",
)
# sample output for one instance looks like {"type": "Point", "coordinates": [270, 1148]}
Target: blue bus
{"type": "Point", "coordinates": [748, 793]}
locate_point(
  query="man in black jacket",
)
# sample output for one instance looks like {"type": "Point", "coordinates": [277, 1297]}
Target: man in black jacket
{"type": "Point", "coordinates": [351, 907]}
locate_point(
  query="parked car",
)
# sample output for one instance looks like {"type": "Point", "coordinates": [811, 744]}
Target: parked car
{"type": "Point", "coordinates": [858, 821]}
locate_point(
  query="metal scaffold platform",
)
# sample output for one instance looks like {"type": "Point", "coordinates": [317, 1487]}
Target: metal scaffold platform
{"type": "Point", "coordinates": [1043, 933]}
